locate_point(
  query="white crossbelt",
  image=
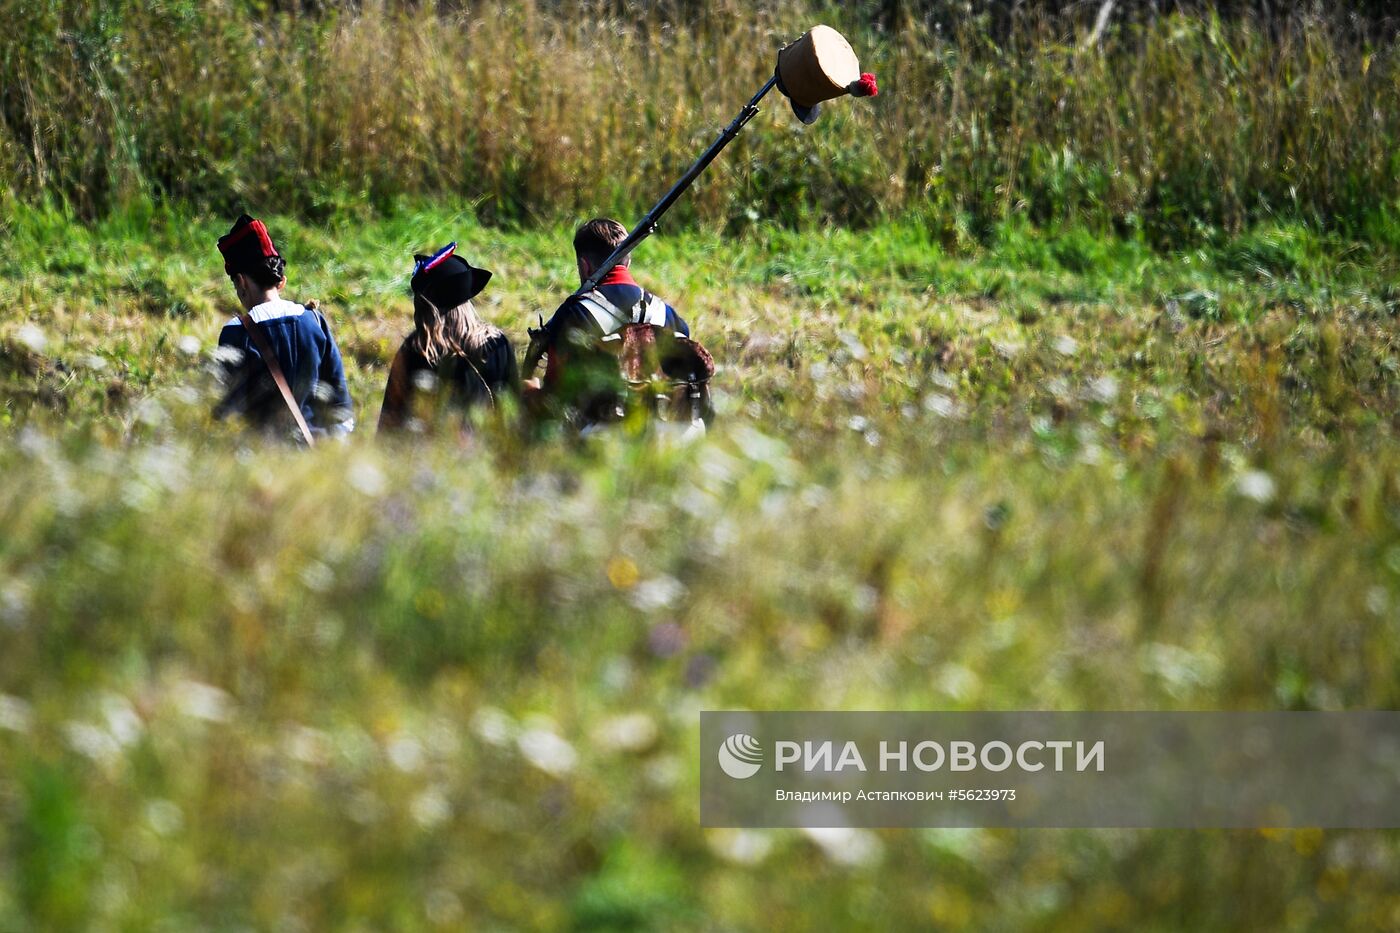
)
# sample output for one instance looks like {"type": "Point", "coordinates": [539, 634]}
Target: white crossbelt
{"type": "Point", "coordinates": [611, 319]}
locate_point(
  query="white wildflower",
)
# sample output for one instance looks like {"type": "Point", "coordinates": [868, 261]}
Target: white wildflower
{"type": "Point", "coordinates": [661, 592]}
{"type": "Point", "coordinates": [1256, 485]}
{"type": "Point", "coordinates": [430, 808]}
{"type": "Point", "coordinates": [123, 723]}
{"type": "Point", "coordinates": [937, 403]}
{"type": "Point", "coordinates": [627, 733]}
{"type": "Point", "coordinates": [547, 751]}
{"type": "Point", "coordinates": [494, 726]}
{"type": "Point", "coordinates": [366, 477]}
{"type": "Point", "coordinates": [150, 412]}
{"type": "Point", "coordinates": [845, 846]}
{"type": "Point", "coordinates": [852, 345]}
{"type": "Point", "coordinates": [1180, 669]}
{"type": "Point", "coordinates": [14, 603]}
{"type": "Point", "coordinates": [443, 908]}
{"type": "Point", "coordinates": [164, 817]}
{"type": "Point", "coordinates": [306, 745]}
{"type": "Point", "coordinates": [405, 753]}
{"type": "Point", "coordinates": [90, 741]}
{"type": "Point", "coordinates": [1103, 389]}
{"type": "Point", "coordinates": [201, 701]}
{"type": "Point", "coordinates": [16, 715]}
{"type": "Point", "coordinates": [957, 681]}
{"type": "Point", "coordinates": [741, 846]}
{"type": "Point", "coordinates": [317, 576]}
{"type": "Point", "coordinates": [32, 337]}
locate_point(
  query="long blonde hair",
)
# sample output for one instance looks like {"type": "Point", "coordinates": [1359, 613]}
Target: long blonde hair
{"type": "Point", "coordinates": [458, 330]}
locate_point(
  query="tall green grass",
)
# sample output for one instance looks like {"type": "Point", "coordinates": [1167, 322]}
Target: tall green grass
{"type": "Point", "coordinates": [978, 457]}
{"type": "Point", "coordinates": [1176, 126]}
{"type": "Point", "coordinates": [426, 686]}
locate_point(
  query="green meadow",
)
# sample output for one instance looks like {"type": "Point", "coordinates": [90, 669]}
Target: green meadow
{"type": "Point", "coordinates": [428, 684]}
{"type": "Point", "coordinates": [1095, 411]}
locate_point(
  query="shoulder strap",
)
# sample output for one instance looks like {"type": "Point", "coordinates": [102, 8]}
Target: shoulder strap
{"type": "Point", "coordinates": [608, 316]}
{"type": "Point", "coordinates": [265, 350]}
{"type": "Point", "coordinates": [476, 371]}
{"type": "Point", "coordinates": [650, 310]}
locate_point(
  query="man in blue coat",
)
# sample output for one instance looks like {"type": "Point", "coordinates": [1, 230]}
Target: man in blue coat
{"type": "Point", "coordinates": [307, 360]}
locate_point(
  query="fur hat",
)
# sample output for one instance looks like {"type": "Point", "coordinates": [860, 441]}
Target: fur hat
{"type": "Point", "coordinates": [246, 246]}
{"type": "Point", "coordinates": [446, 279]}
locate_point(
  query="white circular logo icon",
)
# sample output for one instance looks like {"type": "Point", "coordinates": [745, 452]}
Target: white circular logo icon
{"type": "Point", "coordinates": [740, 756]}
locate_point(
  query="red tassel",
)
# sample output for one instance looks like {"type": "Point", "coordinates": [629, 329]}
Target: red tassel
{"type": "Point", "coordinates": [865, 87]}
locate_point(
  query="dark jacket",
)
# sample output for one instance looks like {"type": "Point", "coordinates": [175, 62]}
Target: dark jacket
{"type": "Point", "coordinates": [462, 383]}
{"type": "Point", "coordinates": [310, 361]}
{"type": "Point", "coordinates": [573, 324]}
{"type": "Point", "coordinates": [580, 374]}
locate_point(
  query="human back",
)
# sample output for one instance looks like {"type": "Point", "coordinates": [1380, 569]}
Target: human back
{"type": "Point", "coordinates": [279, 360]}
{"type": "Point", "coordinates": [454, 362]}
{"type": "Point", "coordinates": [593, 343]}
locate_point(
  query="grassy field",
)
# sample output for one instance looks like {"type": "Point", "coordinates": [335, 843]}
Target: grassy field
{"type": "Point", "coordinates": [1173, 127]}
{"type": "Point", "coordinates": [1063, 375]}
{"type": "Point", "coordinates": [427, 685]}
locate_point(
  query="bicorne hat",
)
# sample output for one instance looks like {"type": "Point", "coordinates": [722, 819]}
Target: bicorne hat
{"type": "Point", "coordinates": [246, 246]}
{"type": "Point", "coordinates": [446, 279]}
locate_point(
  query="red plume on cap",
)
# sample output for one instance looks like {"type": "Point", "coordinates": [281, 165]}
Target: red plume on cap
{"type": "Point", "coordinates": [864, 87]}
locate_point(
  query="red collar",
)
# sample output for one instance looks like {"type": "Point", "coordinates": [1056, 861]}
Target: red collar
{"type": "Point", "coordinates": [620, 275]}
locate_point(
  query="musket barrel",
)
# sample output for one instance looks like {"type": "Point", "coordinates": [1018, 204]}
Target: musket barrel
{"type": "Point", "coordinates": [806, 67]}
{"type": "Point", "coordinates": [647, 226]}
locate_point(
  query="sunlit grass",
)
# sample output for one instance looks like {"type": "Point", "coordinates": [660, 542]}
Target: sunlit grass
{"type": "Point", "coordinates": [427, 685]}
{"type": "Point", "coordinates": [1088, 402]}
{"type": "Point", "coordinates": [1175, 127]}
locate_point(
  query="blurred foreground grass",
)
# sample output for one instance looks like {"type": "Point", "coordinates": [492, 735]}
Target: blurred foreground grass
{"type": "Point", "coordinates": [412, 686]}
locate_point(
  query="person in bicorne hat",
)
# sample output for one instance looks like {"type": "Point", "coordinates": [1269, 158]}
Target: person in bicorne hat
{"type": "Point", "coordinates": [453, 362]}
{"type": "Point", "coordinates": [299, 337]}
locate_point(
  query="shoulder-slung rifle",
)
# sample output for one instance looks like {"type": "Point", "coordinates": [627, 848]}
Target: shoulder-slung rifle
{"type": "Point", "coordinates": [817, 67]}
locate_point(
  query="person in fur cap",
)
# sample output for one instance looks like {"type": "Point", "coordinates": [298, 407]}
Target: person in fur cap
{"type": "Point", "coordinates": [280, 363]}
